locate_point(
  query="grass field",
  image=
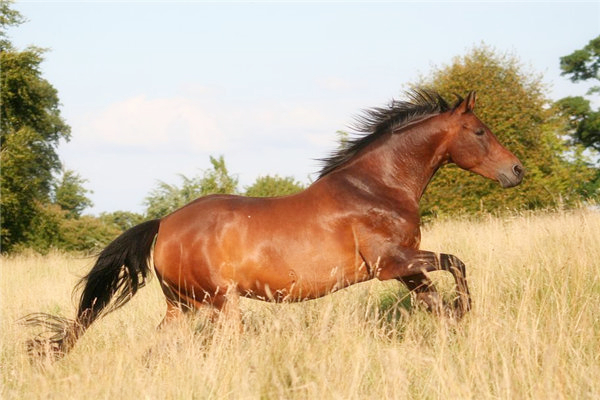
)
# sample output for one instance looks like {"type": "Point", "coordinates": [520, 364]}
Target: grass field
{"type": "Point", "coordinates": [534, 331]}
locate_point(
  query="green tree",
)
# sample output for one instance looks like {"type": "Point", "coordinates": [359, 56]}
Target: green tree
{"type": "Point", "coordinates": [512, 103]}
{"type": "Point", "coordinates": [52, 228]}
{"type": "Point", "coordinates": [271, 186]}
{"type": "Point", "coordinates": [123, 220]}
{"type": "Point", "coordinates": [584, 122]}
{"type": "Point", "coordinates": [70, 194]}
{"type": "Point", "coordinates": [58, 223]}
{"type": "Point", "coordinates": [45, 229]}
{"type": "Point", "coordinates": [583, 64]}
{"type": "Point", "coordinates": [167, 197]}
{"type": "Point", "coordinates": [86, 234]}
{"type": "Point", "coordinates": [217, 180]}
{"type": "Point", "coordinates": [31, 127]}
{"type": "Point", "coordinates": [8, 18]}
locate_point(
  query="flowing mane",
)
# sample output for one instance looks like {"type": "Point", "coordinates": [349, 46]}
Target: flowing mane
{"type": "Point", "coordinates": [376, 121]}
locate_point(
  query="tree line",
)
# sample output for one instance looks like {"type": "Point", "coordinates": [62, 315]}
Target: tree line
{"type": "Point", "coordinates": [43, 204]}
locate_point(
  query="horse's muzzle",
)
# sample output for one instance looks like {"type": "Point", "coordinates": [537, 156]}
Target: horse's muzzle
{"type": "Point", "coordinates": [511, 177]}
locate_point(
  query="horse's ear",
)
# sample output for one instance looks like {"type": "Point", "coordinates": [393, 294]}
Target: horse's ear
{"type": "Point", "coordinates": [468, 104]}
{"type": "Point", "coordinates": [471, 97]}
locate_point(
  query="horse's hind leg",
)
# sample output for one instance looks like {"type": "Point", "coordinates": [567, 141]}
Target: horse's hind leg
{"type": "Point", "coordinates": [174, 313]}
{"type": "Point", "coordinates": [228, 306]}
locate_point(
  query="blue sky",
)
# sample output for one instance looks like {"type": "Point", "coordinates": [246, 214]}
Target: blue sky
{"type": "Point", "coordinates": [151, 89]}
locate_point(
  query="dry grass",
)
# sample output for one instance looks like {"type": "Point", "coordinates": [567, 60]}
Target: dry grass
{"type": "Point", "coordinates": [534, 331]}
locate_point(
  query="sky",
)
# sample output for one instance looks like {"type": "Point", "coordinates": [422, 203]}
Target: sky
{"type": "Point", "coordinates": [152, 89]}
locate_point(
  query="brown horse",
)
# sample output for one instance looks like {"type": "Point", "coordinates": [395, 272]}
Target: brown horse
{"type": "Point", "coordinates": [358, 221]}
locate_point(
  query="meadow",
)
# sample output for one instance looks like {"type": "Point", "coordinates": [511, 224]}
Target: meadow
{"type": "Point", "coordinates": [533, 333]}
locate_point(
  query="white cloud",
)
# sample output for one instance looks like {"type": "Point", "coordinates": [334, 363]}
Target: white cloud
{"type": "Point", "coordinates": [154, 123]}
{"type": "Point", "coordinates": [205, 124]}
{"type": "Point", "coordinates": [123, 148]}
{"type": "Point", "coordinates": [280, 120]}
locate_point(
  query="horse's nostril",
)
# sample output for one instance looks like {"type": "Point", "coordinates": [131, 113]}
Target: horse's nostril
{"type": "Point", "coordinates": [518, 170]}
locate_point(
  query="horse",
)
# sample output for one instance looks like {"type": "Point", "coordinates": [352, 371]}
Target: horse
{"type": "Point", "coordinates": [358, 221]}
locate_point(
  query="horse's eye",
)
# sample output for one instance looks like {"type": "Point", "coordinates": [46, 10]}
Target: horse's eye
{"type": "Point", "coordinates": [480, 132]}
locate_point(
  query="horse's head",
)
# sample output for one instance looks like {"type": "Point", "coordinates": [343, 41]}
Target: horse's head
{"type": "Point", "coordinates": [473, 147]}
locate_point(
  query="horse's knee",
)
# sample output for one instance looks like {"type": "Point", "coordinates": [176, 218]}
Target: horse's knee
{"type": "Point", "coordinates": [451, 263]}
{"type": "Point", "coordinates": [418, 283]}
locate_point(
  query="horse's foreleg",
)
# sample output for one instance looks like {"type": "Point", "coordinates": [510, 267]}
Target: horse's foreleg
{"type": "Point", "coordinates": [425, 292]}
{"type": "Point", "coordinates": [456, 267]}
{"type": "Point", "coordinates": [409, 264]}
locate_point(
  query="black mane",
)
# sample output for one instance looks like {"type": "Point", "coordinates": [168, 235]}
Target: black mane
{"type": "Point", "coordinates": [377, 121]}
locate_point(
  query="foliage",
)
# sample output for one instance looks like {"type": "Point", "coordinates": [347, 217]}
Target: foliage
{"type": "Point", "coordinates": [53, 228]}
{"type": "Point", "coordinates": [70, 194]}
{"type": "Point", "coordinates": [31, 127]}
{"type": "Point", "coordinates": [583, 64]}
{"type": "Point", "coordinates": [44, 231]}
{"type": "Point", "coordinates": [584, 123]}
{"type": "Point", "coordinates": [87, 233]}
{"type": "Point", "coordinates": [58, 223]}
{"type": "Point", "coordinates": [123, 220]}
{"type": "Point", "coordinates": [511, 102]}
{"type": "Point", "coordinates": [218, 180]}
{"type": "Point", "coordinates": [167, 198]}
{"type": "Point", "coordinates": [8, 18]}
{"type": "Point", "coordinates": [271, 186]}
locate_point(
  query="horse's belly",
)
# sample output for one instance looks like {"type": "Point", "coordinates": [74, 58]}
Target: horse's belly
{"type": "Point", "coordinates": [303, 273]}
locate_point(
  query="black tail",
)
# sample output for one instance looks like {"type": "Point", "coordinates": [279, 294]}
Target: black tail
{"type": "Point", "coordinates": [121, 269]}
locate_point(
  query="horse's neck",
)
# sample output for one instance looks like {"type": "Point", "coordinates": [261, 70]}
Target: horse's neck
{"type": "Point", "coordinates": [405, 162]}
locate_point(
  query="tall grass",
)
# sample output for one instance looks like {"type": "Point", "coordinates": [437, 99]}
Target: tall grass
{"type": "Point", "coordinates": [534, 331]}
